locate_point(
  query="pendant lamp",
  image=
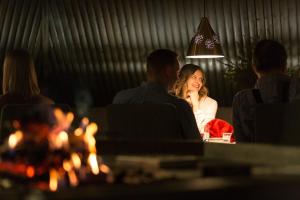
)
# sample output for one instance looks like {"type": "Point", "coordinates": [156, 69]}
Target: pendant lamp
{"type": "Point", "coordinates": [205, 43]}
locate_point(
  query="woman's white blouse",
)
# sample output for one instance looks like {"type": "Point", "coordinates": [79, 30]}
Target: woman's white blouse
{"type": "Point", "coordinates": [206, 112]}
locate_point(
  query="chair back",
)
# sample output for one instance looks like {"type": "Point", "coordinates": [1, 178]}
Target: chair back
{"type": "Point", "coordinates": [143, 122]}
{"type": "Point", "coordinates": [278, 123]}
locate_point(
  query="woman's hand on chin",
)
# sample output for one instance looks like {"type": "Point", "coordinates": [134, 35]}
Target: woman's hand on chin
{"type": "Point", "coordinates": [193, 99]}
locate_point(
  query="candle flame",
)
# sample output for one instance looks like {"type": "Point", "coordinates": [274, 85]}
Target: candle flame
{"type": "Point", "coordinates": [53, 182]}
{"type": "Point", "coordinates": [92, 160]}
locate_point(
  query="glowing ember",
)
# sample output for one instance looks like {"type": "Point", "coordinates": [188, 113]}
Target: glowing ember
{"type": "Point", "coordinates": [91, 129]}
{"type": "Point", "coordinates": [78, 132]}
{"type": "Point", "coordinates": [59, 115]}
{"type": "Point", "coordinates": [92, 160]}
{"type": "Point", "coordinates": [16, 124]}
{"type": "Point", "coordinates": [62, 139]}
{"type": "Point", "coordinates": [30, 171]}
{"type": "Point", "coordinates": [91, 143]}
{"type": "Point", "coordinates": [64, 121]}
{"type": "Point", "coordinates": [58, 151]}
{"type": "Point", "coordinates": [85, 121]}
{"type": "Point", "coordinates": [67, 165]}
{"type": "Point", "coordinates": [14, 139]}
{"type": "Point", "coordinates": [53, 182]}
{"type": "Point", "coordinates": [104, 168]}
{"type": "Point", "coordinates": [70, 117]}
{"type": "Point", "coordinates": [73, 178]}
{"type": "Point", "coordinates": [76, 160]}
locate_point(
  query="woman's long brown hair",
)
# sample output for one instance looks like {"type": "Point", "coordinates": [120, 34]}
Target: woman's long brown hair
{"type": "Point", "coordinates": [19, 76]}
{"type": "Point", "coordinates": [184, 74]}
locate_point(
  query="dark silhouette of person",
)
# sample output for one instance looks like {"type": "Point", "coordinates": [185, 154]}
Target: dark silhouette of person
{"type": "Point", "coordinates": [19, 83]}
{"type": "Point", "coordinates": [162, 69]}
{"type": "Point", "coordinates": [273, 85]}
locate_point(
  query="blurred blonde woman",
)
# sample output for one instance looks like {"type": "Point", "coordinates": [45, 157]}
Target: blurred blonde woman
{"type": "Point", "coordinates": [19, 83]}
{"type": "Point", "coordinates": [191, 87]}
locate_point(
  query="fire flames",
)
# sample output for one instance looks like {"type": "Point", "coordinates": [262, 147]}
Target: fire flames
{"type": "Point", "coordinates": [68, 153]}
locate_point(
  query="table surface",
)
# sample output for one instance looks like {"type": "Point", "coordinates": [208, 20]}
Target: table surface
{"type": "Point", "coordinates": [235, 188]}
{"type": "Point", "coordinates": [218, 140]}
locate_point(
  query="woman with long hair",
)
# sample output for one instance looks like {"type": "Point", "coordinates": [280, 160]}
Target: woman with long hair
{"type": "Point", "coordinates": [191, 87]}
{"type": "Point", "coordinates": [19, 82]}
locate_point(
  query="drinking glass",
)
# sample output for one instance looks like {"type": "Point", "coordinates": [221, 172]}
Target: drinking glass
{"type": "Point", "coordinates": [226, 137]}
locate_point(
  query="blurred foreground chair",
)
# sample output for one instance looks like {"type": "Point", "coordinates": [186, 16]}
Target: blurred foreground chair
{"type": "Point", "coordinates": [27, 113]}
{"type": "Point", "coordinates": [143, 122]}
{"type": "Point", "coordinates": [278, 123]}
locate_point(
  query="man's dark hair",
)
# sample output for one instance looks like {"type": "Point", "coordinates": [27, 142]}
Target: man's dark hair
{"type": "Point", "coordinates": [269, 55]}
{"type": "Point", "coordinates": [159, 59]}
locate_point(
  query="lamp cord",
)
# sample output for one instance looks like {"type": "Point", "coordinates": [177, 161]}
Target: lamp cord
{"type": "Point", "coordinates": [204, 8]}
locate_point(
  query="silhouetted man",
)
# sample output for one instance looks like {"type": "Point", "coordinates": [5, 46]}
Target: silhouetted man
{"type": "Point", "coordinates": [273, 85]}
{"type": "Point", "coordinates": [162, 68]}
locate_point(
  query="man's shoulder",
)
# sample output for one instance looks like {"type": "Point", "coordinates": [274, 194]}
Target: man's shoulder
{"type": "Point", "coordinates": [124, 95]}
{"type": "Point", "coordinates": [243, 94]}
{"type": "Point", "coordinates": [244, 98]}
{"type": "Point", "coordinates": [127, 91]}
{"type": "Point", "coordinates": [178, 102]}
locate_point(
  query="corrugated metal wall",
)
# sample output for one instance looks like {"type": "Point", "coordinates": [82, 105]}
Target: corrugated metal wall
{"type": "Point", "coordinates": [89, 49]}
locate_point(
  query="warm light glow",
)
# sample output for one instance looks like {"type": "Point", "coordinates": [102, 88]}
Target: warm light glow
{"type": "Point", "coordinates": [58, 114]}
{"type": "Point", "coordinates": [14, 139]}
{"type": "Point", "coordinates": [91, 129]}
{"type": "Point", "coordinates": [53, 182]}
{"type": "Point", "coordinates": [78, 132]}
{"type": "Point", "coordinates": [92, 149]}
{"type": "Point", "coordinates": [73, 178]}
{"type": "Point", "coordinates": [67, 165]}
{"type": "Point", "coordinates": [64, 121]}
{"type": "Point", "coordinates": [85, 121]}
{"type": "Point", "coordinates": [92, 160]}
{"type": "Point", "coordinates": [16, 124]}
{"type": "Point", "coordinates": [104, 168]}
{"type": "Point", "coordinates": [70, 117]}
{"type": "Point", "coordinates": [82, 150]}
{"type": "Point", "coordinates": [63, 136]}
{"type": "Point", "coordinates": [76, 160]}
{"type": "Point", "coordinates": [62, 140]}
{"type": "Point", "coordinates": [206, 56]}
{"type": "Point", "coordinates": [91, 142]}
{"type": "Point", "coordinates": [30, 171]}
{"type": "Point", "coordinates": [205, 42]}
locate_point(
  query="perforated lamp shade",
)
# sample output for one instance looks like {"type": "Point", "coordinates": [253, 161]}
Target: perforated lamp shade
{"type": "Point", "coordinates": [205, 43]}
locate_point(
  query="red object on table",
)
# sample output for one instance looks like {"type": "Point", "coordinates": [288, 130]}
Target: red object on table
{"type": "Point", "coordinates": [217, 127]}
